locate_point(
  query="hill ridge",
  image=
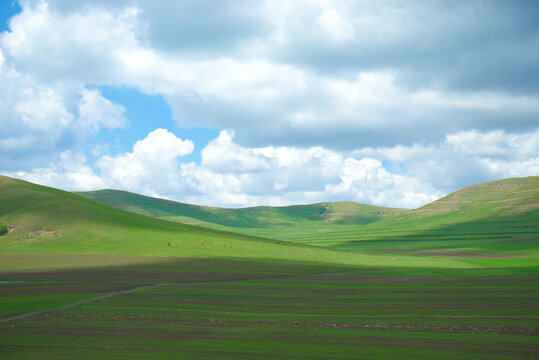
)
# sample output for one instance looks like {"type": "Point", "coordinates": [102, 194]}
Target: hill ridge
{"type": "Point", "coordinates": [266, 221]}
{"type": "Point", "coordinates": [53, 221]}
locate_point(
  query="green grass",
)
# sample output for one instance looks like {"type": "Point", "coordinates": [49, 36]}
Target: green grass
{"type": "Point", "coordinates": [283, 223]}
{"type": "Point", "coordinates": [242, 309]}
{"type": "Point", "coordinates": [212, 294]}
{"type": "Point", "coordinates": [49, 220]}
{"type": "Point", "coordinates": [497, 218]}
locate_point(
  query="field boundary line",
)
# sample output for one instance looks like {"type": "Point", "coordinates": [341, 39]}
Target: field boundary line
{"type": "Point", "coordinates": [97, 298]}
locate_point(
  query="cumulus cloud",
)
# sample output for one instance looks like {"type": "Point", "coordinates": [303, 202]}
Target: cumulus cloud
{"type": "Point", "coordinates": [39, 121]}
{"type": "Point", "coordinates": [464, 158]}
{"type": "Point", "coordinates": [77, 46]}
{"type": "Point", "coordinates": [232, 175]}
{"type": "Point", "coordinates": [71, 172]}
{"type": "Point", "coordinates": [336, 26]}
{"type": "Point", "coordinates": [152, 166]}
{"type": "Point", "coordinates": [223, 155]}
{"type": "Point", "coordinates": [95, 112]}
{"type": "Point", "coordinates": [275, 87]}
{"type": "Point", "coordinates": [372, 101]}
{"type": "Point", "coordinates": [399, 176]}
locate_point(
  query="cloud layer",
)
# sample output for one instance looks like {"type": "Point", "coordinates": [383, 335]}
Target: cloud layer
{"type": "Point", "coordinates": [233, 175]}
{"type": "Point", "coordinates": [367, 74]}
{"type": "Point", "coordinates": [379, 102]}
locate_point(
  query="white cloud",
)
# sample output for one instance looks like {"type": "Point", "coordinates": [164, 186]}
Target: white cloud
{"type": "Point", "coordinates": [337, 26]}
{"type": "Point", "coordinates": [223, 155]}
{"type": "Point", "coordinates": [465, 158]}
{"type": "Point", "coordinates": [42, 110]}
{"type": "Point", "coordinates": [39, 121]}
{"type": "Point", "coordinates": [151, 167]}
{"type": "Point", "coordinates": [69, 173]}
{"type": "Point", "coordinates": [296, 176]}
{"type": "Point", "coordinates": [264, 99]}
{"type": "Point", "coordinates": [80, 46]}
{"type": "Point", "coordinates": [374, 102]}
{"type": "Point", "coordinates": [95, 112]}
{"type": "Point", "coordinates": [34, 120]}
{"type": "Point", "coordinates": [287, 175]}
{"type": "Point", "coordinates": [494, 144]}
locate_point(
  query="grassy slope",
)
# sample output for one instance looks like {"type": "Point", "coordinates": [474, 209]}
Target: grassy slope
{"type": "Point", "coordinates": [284, 223]}
{"type": "Point", "coordinates": [490, 217]}
{"type": "Point", "coordinates": [49, 220]}
{"type": "Point", "coordinates": [499, 217]}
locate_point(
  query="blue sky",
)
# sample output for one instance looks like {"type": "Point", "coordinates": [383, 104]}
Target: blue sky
{"type": "Point", "coordinates": [242, 103]}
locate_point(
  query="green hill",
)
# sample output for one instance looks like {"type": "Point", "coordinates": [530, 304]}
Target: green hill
{"type": "Point", "coordinates": [285, 223]}
{"type": "Point", "coordinates": [496, 216]}
{"type": "Point", "coordinates": [493, 218]}
{"type": "Point", "coordinates": [45, 220]}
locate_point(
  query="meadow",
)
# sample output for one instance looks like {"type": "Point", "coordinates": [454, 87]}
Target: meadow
{"type": "Point", "coordinates": [80, 279]}
{"type": "Point", "coordinates": [486, 217]}
{"type": "Point", "coordinates": [231, 309]}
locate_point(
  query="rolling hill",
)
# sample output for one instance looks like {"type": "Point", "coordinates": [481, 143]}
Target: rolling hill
{"type": "Point", "coordinates": [491, 220]}
{"type": "Point", "coordinates": [285, 223]}
{"type": "Point", "coordinates": [44, 220]}
{"type": "Point", "coordinates": [496, 216]}
{"type": "Point", "coordinates": [501, 215]}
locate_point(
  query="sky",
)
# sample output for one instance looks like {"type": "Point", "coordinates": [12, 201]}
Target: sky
{"type": "Point", "coordinates": [241, 103]}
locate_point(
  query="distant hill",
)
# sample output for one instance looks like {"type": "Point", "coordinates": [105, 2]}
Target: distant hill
{"type": "Point", "coordinates": [285, 222]}
{"type": "Point", "coordinates": [498, 215]}
{"type": "Point", "coordinates": [490, 217]}
{"type": "Point", "coordinates": [487, 216]}
{"type": "Point", "coordinates": [47, 220]}
{"type": "Point", "coordinates": [494, 220]}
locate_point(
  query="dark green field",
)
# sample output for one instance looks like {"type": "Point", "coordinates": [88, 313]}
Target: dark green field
{"type": "Point", "coordinates": [200, 308]}
{"type": "Point", "coordinates": [457, 279]}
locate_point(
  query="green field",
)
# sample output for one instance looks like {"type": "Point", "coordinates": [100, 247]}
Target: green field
{"type": "Point", "coordinates": [456, 279]}
{"type": "Point", "coordinates": [210, 308]}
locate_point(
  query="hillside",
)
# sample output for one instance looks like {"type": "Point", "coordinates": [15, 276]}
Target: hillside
{"type": "Point", "coordinates": [286, 223]}
{"type": "Point", "coordinates": [48, 220]}
{"type": "Point", "coordinates": [494, 218]}
{"type": "Point", "coordinates": [501, 215]}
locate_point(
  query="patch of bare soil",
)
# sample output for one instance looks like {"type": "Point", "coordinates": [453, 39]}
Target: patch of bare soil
{"type": "Point", "coordinates": [13, 228]}
{"type": "Point", "coordinates": [44, 232]}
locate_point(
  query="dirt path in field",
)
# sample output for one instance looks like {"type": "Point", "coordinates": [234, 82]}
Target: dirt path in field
{"type": "Point", "coordinates": [114, 293]}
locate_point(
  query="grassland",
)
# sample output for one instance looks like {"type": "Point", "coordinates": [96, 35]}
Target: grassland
{"type": "Point", "coordinates": [239, 309]}
{"type": "Point", "coordinates": [495, 219]}
{"type": "Point", "coordinates": [457, 279]}
{"type": "Point", "coordinates": [283, 223]}
{"type": "Point", "coordinates": [46, 220]}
